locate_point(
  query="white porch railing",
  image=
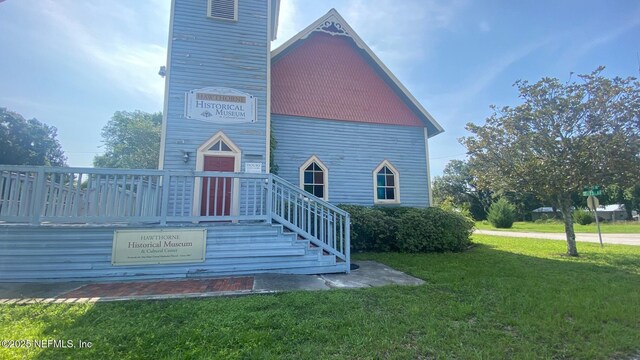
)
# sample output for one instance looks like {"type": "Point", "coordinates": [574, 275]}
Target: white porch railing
{"type": "Point", "coordinates": [47, 195]}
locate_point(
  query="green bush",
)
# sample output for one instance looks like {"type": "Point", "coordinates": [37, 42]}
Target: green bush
{"type": "Point", "coordinates": [406, 229]}
{"type": "Point", "coordinates": [371, 228]}
{"type": "Point", "coordinates": [502, 214]}
{"type": "Point", "coordinates": [433, 230]}
{"type": "Point", "coordinates": [583, 217]}
{"type": "Point", "coordinates": [393, 211]}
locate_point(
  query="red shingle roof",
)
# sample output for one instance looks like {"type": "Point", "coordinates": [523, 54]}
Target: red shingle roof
{"type": "Point", "coordinates": [326, 77]}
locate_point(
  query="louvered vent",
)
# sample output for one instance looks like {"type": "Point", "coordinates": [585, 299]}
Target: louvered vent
{"type": "Point", "coordinates": [223, 9]}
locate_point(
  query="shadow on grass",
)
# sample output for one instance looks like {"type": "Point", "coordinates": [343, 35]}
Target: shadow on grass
{"type": "Point", "coordinates": [488, 302]}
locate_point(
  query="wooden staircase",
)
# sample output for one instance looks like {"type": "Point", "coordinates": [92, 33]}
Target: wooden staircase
{"type": "Point", "coordinates": [79, 253]}
{"type": "Point", "coordinates": [263, 248]}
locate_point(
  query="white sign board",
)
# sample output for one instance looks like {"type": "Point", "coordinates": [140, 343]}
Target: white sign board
{"type": "Point", "coordinates": [158, 246]}
{"type": "Point", "coordinates": [253, 168]}
{"type": "Point", "coordinates": [220, 105]}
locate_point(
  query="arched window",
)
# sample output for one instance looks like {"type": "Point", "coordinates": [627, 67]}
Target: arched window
{"type": "Point", "coordinates": [386, 184]}
{"type": "Point", "coordinates": [314, 177]}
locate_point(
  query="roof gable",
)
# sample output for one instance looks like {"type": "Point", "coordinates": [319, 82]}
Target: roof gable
{"type": "Point", "coordinates": [327, 71]}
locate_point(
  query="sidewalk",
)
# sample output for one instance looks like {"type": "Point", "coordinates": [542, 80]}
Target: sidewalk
{"type": "Point", "coordinates": [369, 274]}
{"type": "Point", "coordinates": [624, 239]}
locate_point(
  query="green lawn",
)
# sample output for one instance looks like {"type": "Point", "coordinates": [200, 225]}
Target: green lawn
{"type": "Point", "coordinates": [630, 227]}
{"type": "Point", "coordinates": [505, 298]}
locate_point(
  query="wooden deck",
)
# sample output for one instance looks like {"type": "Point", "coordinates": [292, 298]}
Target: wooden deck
{"type": "Point", "coordinates": [58, 224]}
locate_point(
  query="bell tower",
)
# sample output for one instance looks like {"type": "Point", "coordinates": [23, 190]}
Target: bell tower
{"type": "Point", "coordinates": [217, 84]}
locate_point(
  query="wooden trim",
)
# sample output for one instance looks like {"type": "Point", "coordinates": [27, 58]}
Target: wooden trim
{"type": "Point", "coordinates": [396, 183]}
{"type": "Point", "coordinates": [203, 150]}
{"type": "Point", "coordinates": [273, 23]}
{"type": "Point", "coordinates": [267, 159]}
{"type": "Point", "coordinates": [165, 111]}
{"type": "Point", "coordinates": [426, 150]}
{"type": "Point", "coordinates": [325, 174]}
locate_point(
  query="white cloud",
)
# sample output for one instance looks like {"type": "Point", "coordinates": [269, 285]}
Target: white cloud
{"type": "Point", "coordinates": [608, 36]}
{"type": "Point", "coordinates": [402, 31]}
{"type": "Point", "coordinates": [115, 38]}
{"type": "Point", "coordinates": [485, 76]}
{"type": "Point", "coordinates": [287, 24]}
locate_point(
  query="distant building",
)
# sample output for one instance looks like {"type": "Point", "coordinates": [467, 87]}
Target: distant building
{"type": "Point", "coordinates": [545, 212]}
{"type": "Point", "coordinates": [613, 212]}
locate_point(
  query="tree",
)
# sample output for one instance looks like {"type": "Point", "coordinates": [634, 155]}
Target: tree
{"type": "Point", "coordinates": [459, 186]}
{"type": "Point", "coordinates": [131, 141]}
{"type": "Point", "coordinates": [563, 136]}
{"type": "Point", "coordinates": [629, 196]}
{"type": "Point", "coordinates": [28, 142]}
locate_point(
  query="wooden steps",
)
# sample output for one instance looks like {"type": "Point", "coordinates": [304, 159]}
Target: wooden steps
{"type": "Point", "coordinates": [64, 253]}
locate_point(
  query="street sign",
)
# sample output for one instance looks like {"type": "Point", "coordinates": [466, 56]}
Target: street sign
{"type": "Point", "coordinates": [591, 191]}
{"type": "Point", "coordinates": [592, 202]}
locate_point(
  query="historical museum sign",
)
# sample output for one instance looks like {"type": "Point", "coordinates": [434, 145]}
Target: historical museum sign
{"type": "Point", "coordinates": [158, 246]}
{"type": "Point", "coordinates": [220, 105]}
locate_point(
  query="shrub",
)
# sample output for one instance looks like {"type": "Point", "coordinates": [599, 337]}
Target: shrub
{"type": "Point", "coordinates": [583, 217]}
{"type": "Point", "coordinates": [502, 214]}
{"type": "Point", "coordinates": [371, 228]}
{"type": "Point", "coordinates": [393, 211]}
{"type": "Point", "coordinates": [433, 229]}
{"type": "Point", "coordinates": [407, 229]}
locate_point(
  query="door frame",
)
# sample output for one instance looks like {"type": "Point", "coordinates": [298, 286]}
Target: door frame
{"type": "Point", "coordinates": [203, 150]}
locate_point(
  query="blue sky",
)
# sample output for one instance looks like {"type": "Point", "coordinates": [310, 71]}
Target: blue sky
{"type": "Point", "coordinates": [73, 63]}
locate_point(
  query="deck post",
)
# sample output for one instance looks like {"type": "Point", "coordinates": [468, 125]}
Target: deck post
{"type": "Point", "coordinates": [269, 197]}
{"type": "Point", "coordinates": [164, 207]}
{"type": "Point", "coordinates": [347, 242]}
{"type": "Point", "coordinates": [36, 204]}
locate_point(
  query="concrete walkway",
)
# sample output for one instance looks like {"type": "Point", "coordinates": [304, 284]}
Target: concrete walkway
{"type": "Point", "coordinates": [369, 274]}
{"type": "Point", "coordinates": [624, 239]}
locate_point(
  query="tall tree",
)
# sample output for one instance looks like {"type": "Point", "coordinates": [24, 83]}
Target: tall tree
{"type": "Point", "coordinates": [131, 141]}
{"type": "Point", "coordinates": [563, 136]}
{"type": "Point", "coordinates": [28, 142]}
{"type": "Point", "coordinates": [630, 197]}
{"type": "Point", "coordinates": [458, 184]}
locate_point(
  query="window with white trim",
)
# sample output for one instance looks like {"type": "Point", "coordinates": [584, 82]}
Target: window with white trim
{"type": "Point", "coordinates": [386, 184]}
{"type": "Point", "coordinates": [223, 9]}
{"type": "Point", "coordinates": [220, 145]}
{"type": "Point", "coordinates": [314, 177]}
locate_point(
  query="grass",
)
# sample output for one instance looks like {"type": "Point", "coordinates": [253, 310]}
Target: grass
{"type": "Point", "coordinates": [504, 298]}
{"type": "Point", "coordinates": [629, 227]}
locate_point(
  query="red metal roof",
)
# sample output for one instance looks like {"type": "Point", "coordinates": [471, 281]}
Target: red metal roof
{"type": "Point", "coordinates": [326, 77]}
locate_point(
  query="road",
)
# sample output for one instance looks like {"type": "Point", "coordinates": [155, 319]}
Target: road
{"type": "Point", "coordinates": [625, 239]}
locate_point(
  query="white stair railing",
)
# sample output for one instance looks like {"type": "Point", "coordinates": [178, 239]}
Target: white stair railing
{"type": "Point", "coordinates": [312, 218]}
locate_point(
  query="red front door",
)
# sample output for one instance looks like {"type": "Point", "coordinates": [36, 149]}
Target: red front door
{"type": "Point", "coordinates": [216, 191]}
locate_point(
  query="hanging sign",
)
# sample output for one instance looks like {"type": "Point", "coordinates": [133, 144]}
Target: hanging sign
{"type": "Point", "coordinates": [220, 105]}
